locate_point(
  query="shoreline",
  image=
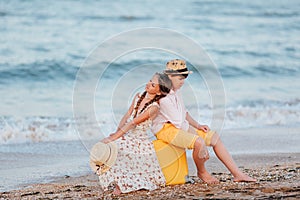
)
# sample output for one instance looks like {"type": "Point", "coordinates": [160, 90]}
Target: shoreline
{"type": "Point", "coordinates": [278, 176]}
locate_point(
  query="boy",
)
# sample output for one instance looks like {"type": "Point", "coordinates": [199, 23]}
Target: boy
{"type": "Point", "coordinates": [175, 126]}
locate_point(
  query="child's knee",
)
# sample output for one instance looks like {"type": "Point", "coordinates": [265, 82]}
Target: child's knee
{"type": "Point", "coordinates": [199, 143]}
{"type": "Point", "coordinates": [214, 139]}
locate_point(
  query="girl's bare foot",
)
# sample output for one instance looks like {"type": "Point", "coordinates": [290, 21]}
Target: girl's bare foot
{"type": "Point", "coordinates": [243, 178]}
{"type": "Point", "coordinates": [117, 190]}
{"type": "Point", "coordinates": [207, 178]}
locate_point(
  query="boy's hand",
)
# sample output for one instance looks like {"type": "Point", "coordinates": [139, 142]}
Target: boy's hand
{"type": "Point", "coordinates": [203, 153]}
{"type": "Point", "coordinates": [204, 128]}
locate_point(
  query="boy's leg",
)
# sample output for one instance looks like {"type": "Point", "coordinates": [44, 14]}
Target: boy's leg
{"type": "Point", "coordinates": [202, 173]}
{"type": "Point", "coordinates": [223, 155]}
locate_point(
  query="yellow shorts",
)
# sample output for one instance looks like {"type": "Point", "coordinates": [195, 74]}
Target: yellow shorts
{"type": "Point", "coordinates": [172, 135]}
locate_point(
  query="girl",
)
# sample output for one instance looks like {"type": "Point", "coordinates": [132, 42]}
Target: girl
{"type": "Point", "coordinates": [136, 166]}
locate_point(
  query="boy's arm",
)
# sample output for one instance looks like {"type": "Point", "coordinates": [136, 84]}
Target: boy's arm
{"type": "Point", "coordinates": [195, 124]}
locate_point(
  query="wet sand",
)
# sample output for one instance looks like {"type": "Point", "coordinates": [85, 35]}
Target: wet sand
{"type": "Point", "coordinates": [278, 177]}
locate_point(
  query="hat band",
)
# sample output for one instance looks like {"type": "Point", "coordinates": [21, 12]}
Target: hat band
{"type": "Point", "coordinates": [171, 71]}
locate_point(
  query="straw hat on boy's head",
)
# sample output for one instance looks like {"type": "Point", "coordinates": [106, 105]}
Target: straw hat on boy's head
{"type": "Point", "coordinates": [175, 67]}
{"type": "Point", "coordinates": [103, 156]}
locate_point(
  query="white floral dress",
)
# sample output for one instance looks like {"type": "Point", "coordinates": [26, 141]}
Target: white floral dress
{"type": "Point", "coordinates": [136, 166]}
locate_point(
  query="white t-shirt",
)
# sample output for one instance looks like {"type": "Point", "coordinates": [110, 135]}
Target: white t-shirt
{"type": "Point", "coordinates": [171, 110]}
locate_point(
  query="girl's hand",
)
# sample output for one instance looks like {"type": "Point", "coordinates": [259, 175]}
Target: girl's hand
{"type": "Point", "coordinates": [106, 140]}
{"type": "Point", "coordinates": [204, 128]}
{"type": "Point", "coordinates": [112, 134]}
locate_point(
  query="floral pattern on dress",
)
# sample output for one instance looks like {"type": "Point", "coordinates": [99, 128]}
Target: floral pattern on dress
{"type": "Point", "coordinates": [136, 166]}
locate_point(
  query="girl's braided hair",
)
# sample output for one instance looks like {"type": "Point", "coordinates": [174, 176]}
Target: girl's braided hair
{"type": "Point", "coordinates": [165, 86]}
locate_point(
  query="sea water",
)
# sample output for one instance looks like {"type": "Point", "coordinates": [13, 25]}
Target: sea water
{"type": "Point", "coordinates": [255, 47]}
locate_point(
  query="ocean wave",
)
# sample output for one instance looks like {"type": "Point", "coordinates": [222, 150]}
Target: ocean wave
{"type": "Point", "coordinates": [262, 14]}
{"type": "Point", "coordinates": [55, 70]}
{"type": "Point", "coordinates": [259, 71]}
{"type": "Point", "coordinates": [34, 129]}
{"type": "Point", "coordinates": [254, 53]}
{"type": "Point", "coordinates": [117, 18]}
{"type": "Point", "coordinates": [3, 13]}
{"type": "Point", "coordinates": [37, 71]}
{"type": "Point", "coordinates": [51, 70]}
{"type": "Point", "coordinates": [232, 71]}
{"type": "Point", "coordinates": [281, 14]}
{"type": "Point", "coordinates": [42, 129]}
{"type": "Point", "coordinates": [243, 115]}
{"type": "Point", "coordinates": [263, 113]}
{"type": "Point", "coordinates": [277, 70]}
{"type": "Point", "coordinates": [250, 9]}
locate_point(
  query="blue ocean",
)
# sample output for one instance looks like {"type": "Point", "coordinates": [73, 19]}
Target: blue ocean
{"type": "Point", "coordinates": [254, 46]}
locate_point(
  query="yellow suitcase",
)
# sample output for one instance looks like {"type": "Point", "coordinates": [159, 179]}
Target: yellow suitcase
{"type": "Point", "coordinates": [173, 162]}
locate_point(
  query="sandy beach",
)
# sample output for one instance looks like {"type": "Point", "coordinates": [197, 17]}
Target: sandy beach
{"type": "Point", "coordinates": [278, 177]}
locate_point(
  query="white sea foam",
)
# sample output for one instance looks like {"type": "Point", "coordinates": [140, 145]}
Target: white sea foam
{"type": "Point", "coordinates": [41, 129]}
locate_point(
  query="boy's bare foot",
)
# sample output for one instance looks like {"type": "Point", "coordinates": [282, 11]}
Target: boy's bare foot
{"type": "Point", "coordinates": [207, 178]}
{"type": "Point", "coordinates": [243, 178]}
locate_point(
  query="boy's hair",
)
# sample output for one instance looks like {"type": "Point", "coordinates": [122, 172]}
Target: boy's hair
{"type": "Point", "coordinates": [165, 84]}
{"type": "Point", "coordinates": [183, 75]}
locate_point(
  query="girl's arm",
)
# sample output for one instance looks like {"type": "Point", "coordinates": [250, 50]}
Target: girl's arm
{"type": "Point", "coordinates": [128, 113]}
{"type": "Point", "coordinates": [150, 112]}
{"type": "Point", "coordinates": [195, 124]}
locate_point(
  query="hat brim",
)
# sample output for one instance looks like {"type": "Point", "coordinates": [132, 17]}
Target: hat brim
{"type": "Point", "coordinates": [101, 165]}
{"type": "Point", "coordinates": [168, 72]}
